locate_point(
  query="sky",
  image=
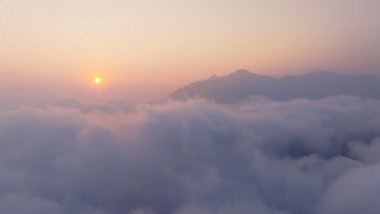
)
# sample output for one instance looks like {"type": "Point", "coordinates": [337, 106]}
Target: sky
{"type": "Point", "coordinates": [146, 49]}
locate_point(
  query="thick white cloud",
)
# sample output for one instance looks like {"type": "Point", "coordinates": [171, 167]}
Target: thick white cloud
{"type": "Point", "coordinates": [257, 156]}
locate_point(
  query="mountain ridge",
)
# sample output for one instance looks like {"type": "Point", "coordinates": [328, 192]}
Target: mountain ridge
{"type": "Point", "coordinates": [314, 85]}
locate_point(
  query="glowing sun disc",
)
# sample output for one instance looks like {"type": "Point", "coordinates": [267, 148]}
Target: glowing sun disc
{"type": "Point", "coordinates": [97, 80]}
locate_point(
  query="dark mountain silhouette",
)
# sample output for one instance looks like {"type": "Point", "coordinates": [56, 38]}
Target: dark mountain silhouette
{"type": "Point", "coordinates": [316, 85]}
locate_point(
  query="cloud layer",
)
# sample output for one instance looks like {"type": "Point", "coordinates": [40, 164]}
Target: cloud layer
{"type": "Point", "coordinates": [258, 156]}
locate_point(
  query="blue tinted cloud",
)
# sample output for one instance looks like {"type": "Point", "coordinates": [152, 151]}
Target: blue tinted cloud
{"type": "Point", "coordinates": [258, 156]}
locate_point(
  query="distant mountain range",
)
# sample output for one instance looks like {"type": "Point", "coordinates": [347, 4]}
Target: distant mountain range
{"type": "Point", "coordinates": [316, 85]}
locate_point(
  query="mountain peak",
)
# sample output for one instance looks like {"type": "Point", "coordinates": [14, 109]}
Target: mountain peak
{"type": "Point", "coordinates": [241, 72]}
{"type": "Point", "coordinates": [323, 73]}
{"type": "Point", "coordinates": [213, 77]}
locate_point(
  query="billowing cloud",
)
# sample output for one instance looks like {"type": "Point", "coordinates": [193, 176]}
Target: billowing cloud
{"type": "Point", "coordinates": [257, 156]}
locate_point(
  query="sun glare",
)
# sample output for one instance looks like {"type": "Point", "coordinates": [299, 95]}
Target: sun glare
{"type": "Point", "coordinates": [97, 80]}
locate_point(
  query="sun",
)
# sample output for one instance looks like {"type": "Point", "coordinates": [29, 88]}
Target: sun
{"type": "Point", "coordinates": [97, 80]}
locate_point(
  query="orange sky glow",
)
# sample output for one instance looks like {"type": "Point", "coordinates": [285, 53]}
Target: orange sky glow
{"type": "Point", "coordinates": [146, 49]}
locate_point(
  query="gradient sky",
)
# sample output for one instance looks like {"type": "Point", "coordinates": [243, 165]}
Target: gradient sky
{"type": "Point", "coordinates": [145, 49]}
